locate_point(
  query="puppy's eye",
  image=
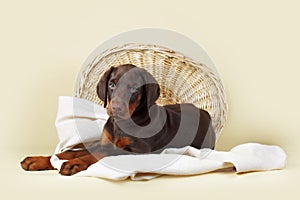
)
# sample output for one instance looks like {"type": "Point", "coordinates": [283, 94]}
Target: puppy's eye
{"type": "Point", "coordinates": [133, 89]}
{"type": "Point", "coordinates": [112, 85]}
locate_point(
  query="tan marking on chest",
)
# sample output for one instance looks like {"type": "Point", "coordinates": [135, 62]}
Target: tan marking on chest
{"type": "Point", "coordinates": [105, 137]}
{"type": "Point", "coordinates": [122, 142]}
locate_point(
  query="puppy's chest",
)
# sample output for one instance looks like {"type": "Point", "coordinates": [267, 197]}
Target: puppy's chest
{"type": "Point", "coordinates": [116, 138]}
{"type": "Point", "coordinates": [121, 140]}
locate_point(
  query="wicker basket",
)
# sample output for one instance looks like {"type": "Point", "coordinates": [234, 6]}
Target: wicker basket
{"type": "Point", "coordinates": [180, 78]}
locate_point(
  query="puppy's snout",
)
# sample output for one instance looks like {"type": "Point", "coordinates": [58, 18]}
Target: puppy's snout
{"type": "Point", "coordinates": [117, 107]}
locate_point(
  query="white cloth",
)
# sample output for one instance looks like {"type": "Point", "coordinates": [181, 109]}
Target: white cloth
{"type": "Point", "coordinates": [79, 120]}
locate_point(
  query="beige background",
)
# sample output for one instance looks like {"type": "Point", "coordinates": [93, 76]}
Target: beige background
{"type": "Point", "coordinates": [254, 44]}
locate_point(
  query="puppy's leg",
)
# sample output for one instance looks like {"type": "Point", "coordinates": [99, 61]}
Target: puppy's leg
{"type": "Point", "coordinates": [37, 163]}
{"type": "Point", "coordinates": [69, 155]}
{"type": "Point", "coordinates": [92, 156]}
{"type": "Point", "coordinates": [78, 164]}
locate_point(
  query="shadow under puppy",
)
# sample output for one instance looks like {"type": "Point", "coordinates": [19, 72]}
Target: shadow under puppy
{"type": "Point", "coordinates": [136, 125]}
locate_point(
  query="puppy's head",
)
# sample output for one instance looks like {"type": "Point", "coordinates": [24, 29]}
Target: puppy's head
{"type": "Point", "coordinates": [126, 89]}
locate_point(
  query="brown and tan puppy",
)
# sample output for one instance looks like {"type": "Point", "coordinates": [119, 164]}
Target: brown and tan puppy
{"type": "Point", "coordinates": [136, 125]}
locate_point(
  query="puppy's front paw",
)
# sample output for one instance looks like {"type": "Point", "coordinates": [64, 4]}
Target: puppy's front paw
{"type": "Point", "coordinates": [36, 163]}
{"type": "Point", "coordinates": [72, 167]}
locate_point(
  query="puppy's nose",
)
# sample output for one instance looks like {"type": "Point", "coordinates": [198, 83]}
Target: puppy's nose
{"type": "Point", "coordinates": [116, 106]}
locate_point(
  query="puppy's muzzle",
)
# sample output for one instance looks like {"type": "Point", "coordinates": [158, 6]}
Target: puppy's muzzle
{"type": "Point", "coordinates": [117, 107]}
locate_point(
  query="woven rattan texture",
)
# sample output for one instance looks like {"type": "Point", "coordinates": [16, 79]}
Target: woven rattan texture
{"type": "Point", "coordinates": [181, 79]}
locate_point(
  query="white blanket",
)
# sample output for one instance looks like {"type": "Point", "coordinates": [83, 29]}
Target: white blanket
{"type": "Point", "coordinates": [79, 120]}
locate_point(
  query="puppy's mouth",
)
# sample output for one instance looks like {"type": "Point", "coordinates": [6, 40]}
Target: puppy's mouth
{"type": "Point", "coordinates": [118, 115]}
{"type": "Point", "coordinates": [120, 111]}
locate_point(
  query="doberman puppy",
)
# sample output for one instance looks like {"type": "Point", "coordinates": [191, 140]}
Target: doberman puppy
{"type": "Point", "coordinates": [137, 125]}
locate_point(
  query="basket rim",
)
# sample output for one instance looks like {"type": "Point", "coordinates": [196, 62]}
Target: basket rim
{"type": "Point", "coordinates": [91, 61]}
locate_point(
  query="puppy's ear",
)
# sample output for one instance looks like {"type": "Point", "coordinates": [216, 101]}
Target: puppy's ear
{"type": "Point", "coordinates": [152, 88]}
{"type": "Point", "coordinates": [103, 85]}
